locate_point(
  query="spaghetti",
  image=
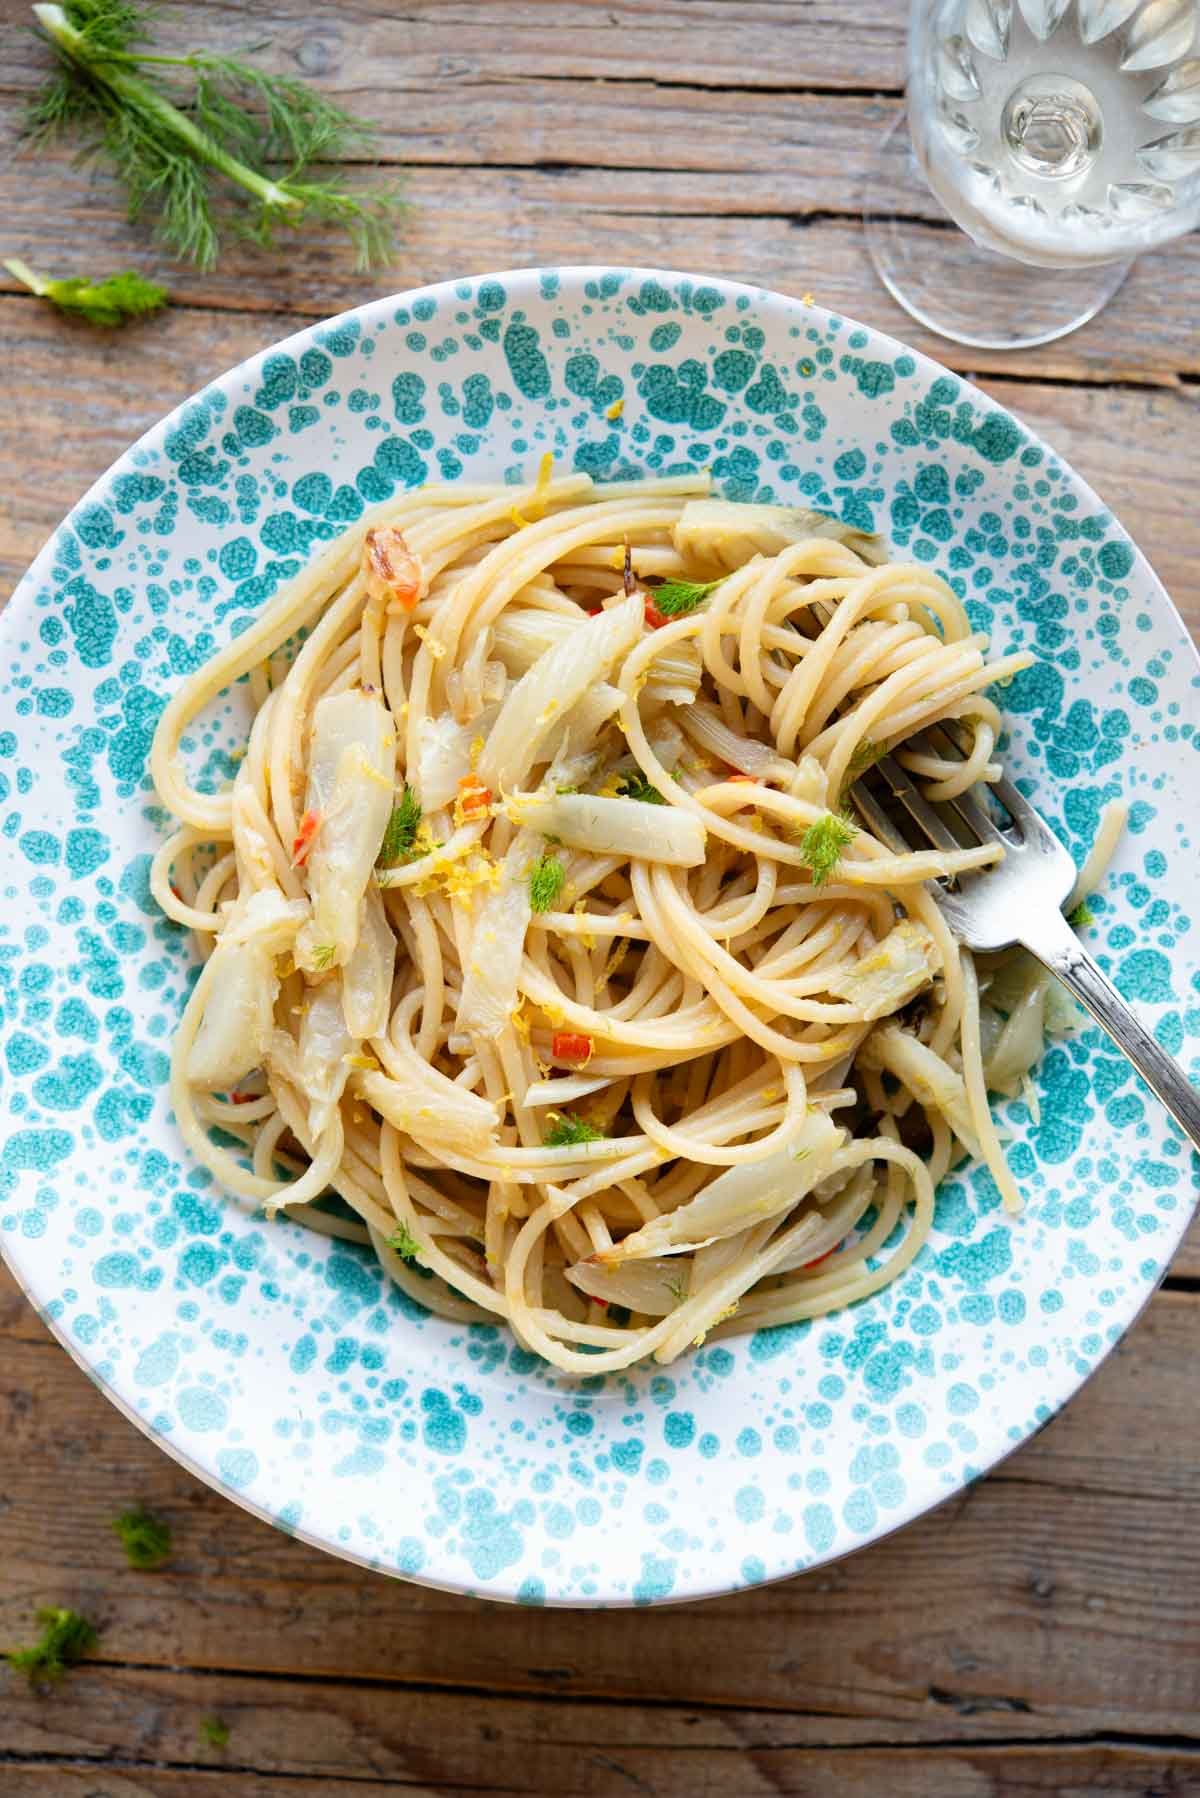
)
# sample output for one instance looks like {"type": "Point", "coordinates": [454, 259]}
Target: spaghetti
{"type": "Point", "coordinates": [542, 954]}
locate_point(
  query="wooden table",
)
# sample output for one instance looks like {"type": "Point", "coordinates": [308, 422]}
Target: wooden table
{"type": "Point", "coordinates": [1040, 1633]}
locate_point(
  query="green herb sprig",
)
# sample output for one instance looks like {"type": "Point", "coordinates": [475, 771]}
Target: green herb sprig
{"type": "Point", "coordinates": [546, 880]}
{"type": "Point", "coordinates": [183, 132]}
{"type": "Point", "coordinates": [636, 786]}
{"type": "Point", "coordinates": [145, 1538]}
{"type": "Point", "coordinates": [404, 1243]}
{"type": "Point", "coordinates": [675, 599]}
{"type": "Point", "coordinates": [66, 1638]}
{"type": "Point", "coordinates": [402, 828]}
{"type": "Point", "coordinates": [113, 301]}
{"type": "Point", "coordinates": [822, 844]}
{"type": "Point", "coordinates": [567, 1129]}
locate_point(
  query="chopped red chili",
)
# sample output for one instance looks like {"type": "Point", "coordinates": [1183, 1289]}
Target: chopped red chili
{"type": "Point", "coordinates": [302, 842]}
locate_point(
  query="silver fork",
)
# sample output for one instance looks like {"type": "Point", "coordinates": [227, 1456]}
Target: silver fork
{"type": "Point", "coordinates": [1019, 900]}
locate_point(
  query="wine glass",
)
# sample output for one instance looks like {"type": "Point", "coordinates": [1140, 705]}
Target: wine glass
{"type": "Point", "coordinates": [1063, 136]}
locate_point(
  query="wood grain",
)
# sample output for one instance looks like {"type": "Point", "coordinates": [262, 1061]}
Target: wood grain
{"type": "Point", "coordinates": [322, 1734]}
{"type": "Point", "coordinates": [746, 228]}
{"type": "Point", "coordinates": [1064, 1583]}
{"type": "Point", "coordinates": [790, 45]}
{"type": "Point", "coordinates": [752, 151]}
{"type": "Point", "coordinates": [510, 88]}
{"type": "Point", "coordinates": [716, 136]}
{"type": "Point", "coordinates": [592, 1771]}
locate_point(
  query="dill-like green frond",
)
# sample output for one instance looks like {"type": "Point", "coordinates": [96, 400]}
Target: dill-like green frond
{"type": "Point", "coordinates": [112, 301]}
{"type": "Point", "coordinates": [566, 1128]}
{"type": "Point", "coordinates": [545, 883]}
{"type": "Point", "coordinates": [675, 599]}
{"type": "Point", "coordinates": [404, 1243]}
{"type": "Point", "coordinates": [636, 786]}
{"type": "Point", "coordinates": [186, 133]}
{"type": "Point", "coordinates": [66, 1637]}
{"type": "Point", "coordinates": [295, 123]}
{"type": "Point", "coordinates": [401, 829]}
{"type": "Point", "coordinates": [145, 1538]}
{"type": "Point", "coordinates": [822, 844]}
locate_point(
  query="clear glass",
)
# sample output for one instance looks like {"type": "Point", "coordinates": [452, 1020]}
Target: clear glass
{"type": "Point", "coordinates": [1063, 136]}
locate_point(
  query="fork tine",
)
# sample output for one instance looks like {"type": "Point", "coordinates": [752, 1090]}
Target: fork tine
{"type": "Point", "coordinates": [976, 819]}
{"type": "Point", "coordinates": [957, 735]}
{"type": "Point", "coordinates": [948, 739]}
{"type": "Point", "coordinates": [1027, 818]}
{"type": "Point", "coordinates": [909, 795]}
{"type": "Point", "coordinates": [876, 819]}
{"type": "Point", "coordinates": [965, 806]}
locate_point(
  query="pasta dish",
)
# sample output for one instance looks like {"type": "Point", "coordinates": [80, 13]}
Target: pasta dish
{"type": "Point", "coordinates": [545, 954]}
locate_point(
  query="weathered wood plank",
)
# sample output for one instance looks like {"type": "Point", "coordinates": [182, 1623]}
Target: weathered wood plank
{"type": "Point", "coordinates": [471, 220]}
{"type": "Point", "coordinates": [1068, 1773]}
{"type": "Point", "coordinates": [59, 436]}
{"type": "Point", "coordinates": [790, 152]}
{"type": "Point", "coordinates": [1065, 1583]}
{"type": "Point", "coordinates": [789, 1772]}
{"type": "Point", "coordinates": [318, 1731]}
{"type": "Point", "coordinates": [788, 44]}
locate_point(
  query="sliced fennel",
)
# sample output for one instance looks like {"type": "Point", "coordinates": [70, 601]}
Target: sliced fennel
{"type": "Point", "coordinates": [654, 1286]}
{"type": "Point", "coordinates": [930, 1079]}
{"type": "Point", "coordinates": [554, 684]}
{"type": "Point", "coordinates": [367, 976]}
{"type": "Point", "coordinates": [445, 748]}
{"type": "Point", "coordinates": [428, 1107]}
{"type": "Point", "coordinates": [619, 827]}
{"type": "Point", "coordinates": [746, 1194]}
{"type": "Point", "coordinates": [892, 973]}
{"type": "Point", "coordinates": [238, 1019]}
{"type": "Point", "coordinates": [489, 993]}
{"type": "Point", "coordinates": [728, 533]}
{"type": "Point", "coordinates": [351, 793]}
{"type": "Point", "coordinates": [325, 1043]}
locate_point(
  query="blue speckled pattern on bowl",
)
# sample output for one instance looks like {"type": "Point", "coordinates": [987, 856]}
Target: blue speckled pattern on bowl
{"type": "Point", "coordinates": [277, 1364]}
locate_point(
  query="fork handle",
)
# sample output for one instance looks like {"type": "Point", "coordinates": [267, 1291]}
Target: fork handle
{"type": "Point", "coordinates": [1058, 948]}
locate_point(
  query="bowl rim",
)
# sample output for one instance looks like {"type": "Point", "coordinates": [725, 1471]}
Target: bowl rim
{"type": "Point", "coordinates": [377, 311]}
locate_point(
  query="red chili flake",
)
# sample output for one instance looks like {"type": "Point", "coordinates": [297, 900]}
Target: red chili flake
{"type": "Point", "coordinates": [820, 1258]}
{"type": "Point", "coordinates": [302, 842]}
{"type": "Point", "coordinates": [572, 1045]}
{"type": "Point", "coordinates": [654, 618]}
{"type": "Point", "coordinates": [473, 799]}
